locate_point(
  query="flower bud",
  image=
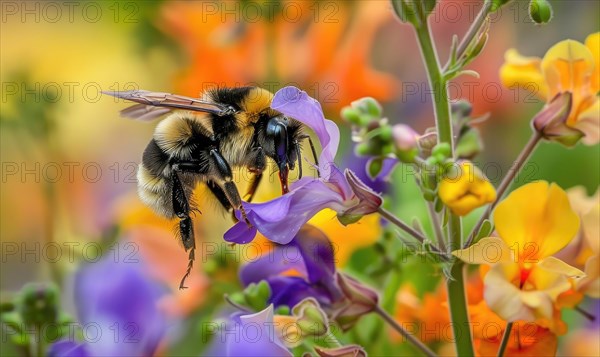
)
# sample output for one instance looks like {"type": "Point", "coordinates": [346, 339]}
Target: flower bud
{"type": "Point", "coordinates": [497, 4]}
{"type": "Point", "coordinates": [351, 115]}
{"type": "Point", "coordinates": [344, 351]}
{"type": "Point", "coordinates": [406, 142]}
{"type": "Point", "coordinates": [540, 11]}
{"type": "Point", "coordinates": [405, 138]}
{"type": "Point", "coordinates": [413, 10]}
{"type": "Point", "coordinates": [39, 304]}
{"type": "Point", "coordinates": [551, 121]}
{"type": "Point", "coordinates": [256, 295]}
{"type": "Point", "coordinates": [461, 108]}
{"type": "Point", "coordinates": [311, 319]}
{"type": "Point", "coordinates": [464, 188]}
{"type": "Point", "coordinates": [469, 144]}
{"type": "Point", "coordinates": [358, 301]}
{"type": "Point", "coordinates": [367, 200]}
{"type": "Point", "coordinates": [368, 106]}
{"type": "Point", "coordinates": [427, 142]}
{"type": "Point", "coordinates": [406, 11]}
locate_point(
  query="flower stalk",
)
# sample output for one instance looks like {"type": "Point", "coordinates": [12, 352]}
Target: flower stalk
{"type": "Point", "coordinates": [441, 103]}
{"type": "Point", "coordinates": [410, 338]}
{"type": "Point", "coordinates": [505, 339]}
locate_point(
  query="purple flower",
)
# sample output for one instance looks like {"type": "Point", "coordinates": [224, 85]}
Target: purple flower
{"type": "Point", "coordinates": [310, 256]}
{"type": "Point", "coordinates": [280, 219]}
{"type": "Point", "coordinates": [249, 335]}
{"type": "Point", "coordinates": [120, 302]}
{"type": "Point", "coordinates": [305, 268]}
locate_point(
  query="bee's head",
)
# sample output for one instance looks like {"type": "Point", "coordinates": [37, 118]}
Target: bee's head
{"type": "Point", "coordinates": [278, 132]}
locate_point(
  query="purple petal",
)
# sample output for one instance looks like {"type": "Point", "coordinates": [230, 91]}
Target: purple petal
{"type": "Point", "coordinates": [295, 103]}
{"type": "Point", "coordinates": [304, 203]}
{"type": "Point", "coordinates": [67, 348]}
{"type": "Point", "coordinates": [240, 233]}
{"type": "Point", "coordinates": [317, 254]}
{"type": "Point", "coordinates": [115, 295]}
{"type": "Point", "coordinates": [290, 291]}
{"type": "Point", "coordinates": [256, 336]}
{"type": "Point", "coordinates": [279, 260]}
{"type": "Point", "coordinates": [310, 253]}
{"type": "Point", "coordinates": [338, 179]}
{"type": "Point", "coordinates": [271, 211]}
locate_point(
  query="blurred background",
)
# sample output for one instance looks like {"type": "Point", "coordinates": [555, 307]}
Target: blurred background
{"type": "Point", "coordinates": [68, 193]}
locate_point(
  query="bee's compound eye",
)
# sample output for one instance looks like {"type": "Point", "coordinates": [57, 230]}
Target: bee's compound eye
{"type": "Point", "coordinates": [277, 130]}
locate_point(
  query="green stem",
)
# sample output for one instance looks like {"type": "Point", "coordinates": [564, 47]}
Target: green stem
{"type": "Point", "coordinates": [457, 301]}
{"type": "Point", "coordinates": [455, 285]}
{"type": "Point", "coordinates": [506, 182]}
{"type": "Point", "coordinates": [400, 224]}
{"type": "Point", "coordinates": [435, 222]}
{"type": "Point", "coordinates": [438, 86]}
{"type": "Point", "coordinates": [505, 339]}
{"type": "Point", "coordinates": [410, 338]}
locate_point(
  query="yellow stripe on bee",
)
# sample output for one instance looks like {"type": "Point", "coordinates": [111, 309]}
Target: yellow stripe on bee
{"type": "Point", "coordinates": [174, 132]}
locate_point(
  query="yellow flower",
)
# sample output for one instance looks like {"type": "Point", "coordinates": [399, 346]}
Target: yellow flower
{"type": "Point", "coordinates": [584, 251]}
{"type": "Point", "coordinates": [533, 222]}
{"type": "Point", "coordinates": [347, 239]}
{"type": "Point", "coordinates": [569, 66]}
{"type": "Point", "coordinates": [465, 189]}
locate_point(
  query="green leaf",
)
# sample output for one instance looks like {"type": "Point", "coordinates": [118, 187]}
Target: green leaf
{"type": "Point", "coordinates": [445, 218]}
{"type": "Point", "coordinates": [484, 231]}
{"type": "Point", "coordinates": [439, 205]}
{"type": "Point", "coordinates": [469, 144]}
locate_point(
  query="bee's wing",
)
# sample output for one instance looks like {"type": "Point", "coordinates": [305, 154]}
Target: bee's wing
{"type": "Point", "coordinates": [154, 104]}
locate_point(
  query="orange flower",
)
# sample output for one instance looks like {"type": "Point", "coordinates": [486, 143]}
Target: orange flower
{"type": "Point", "coordinates": [326, 56]}
{"type": "Point", "coordinates": [428, 317]}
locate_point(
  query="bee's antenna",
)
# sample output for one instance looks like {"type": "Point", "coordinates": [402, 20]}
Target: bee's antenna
{"type": "Point", "coordinates": [314, 152]}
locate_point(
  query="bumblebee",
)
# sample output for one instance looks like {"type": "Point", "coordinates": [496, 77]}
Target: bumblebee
{"type": "Point", "coordinates": [201, 141]}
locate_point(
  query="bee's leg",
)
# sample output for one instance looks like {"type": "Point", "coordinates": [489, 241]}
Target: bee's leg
{"type": "Point", "coordinates": [314, 152]}
{"type": "Point", "coordinates": [181, 207]}
{"type": "Point", "coordinates": [218, 192]}
{"type": "Point", "coordinates": [257, 164]}
{"type": "Point", "coordinates": [225, 178]}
